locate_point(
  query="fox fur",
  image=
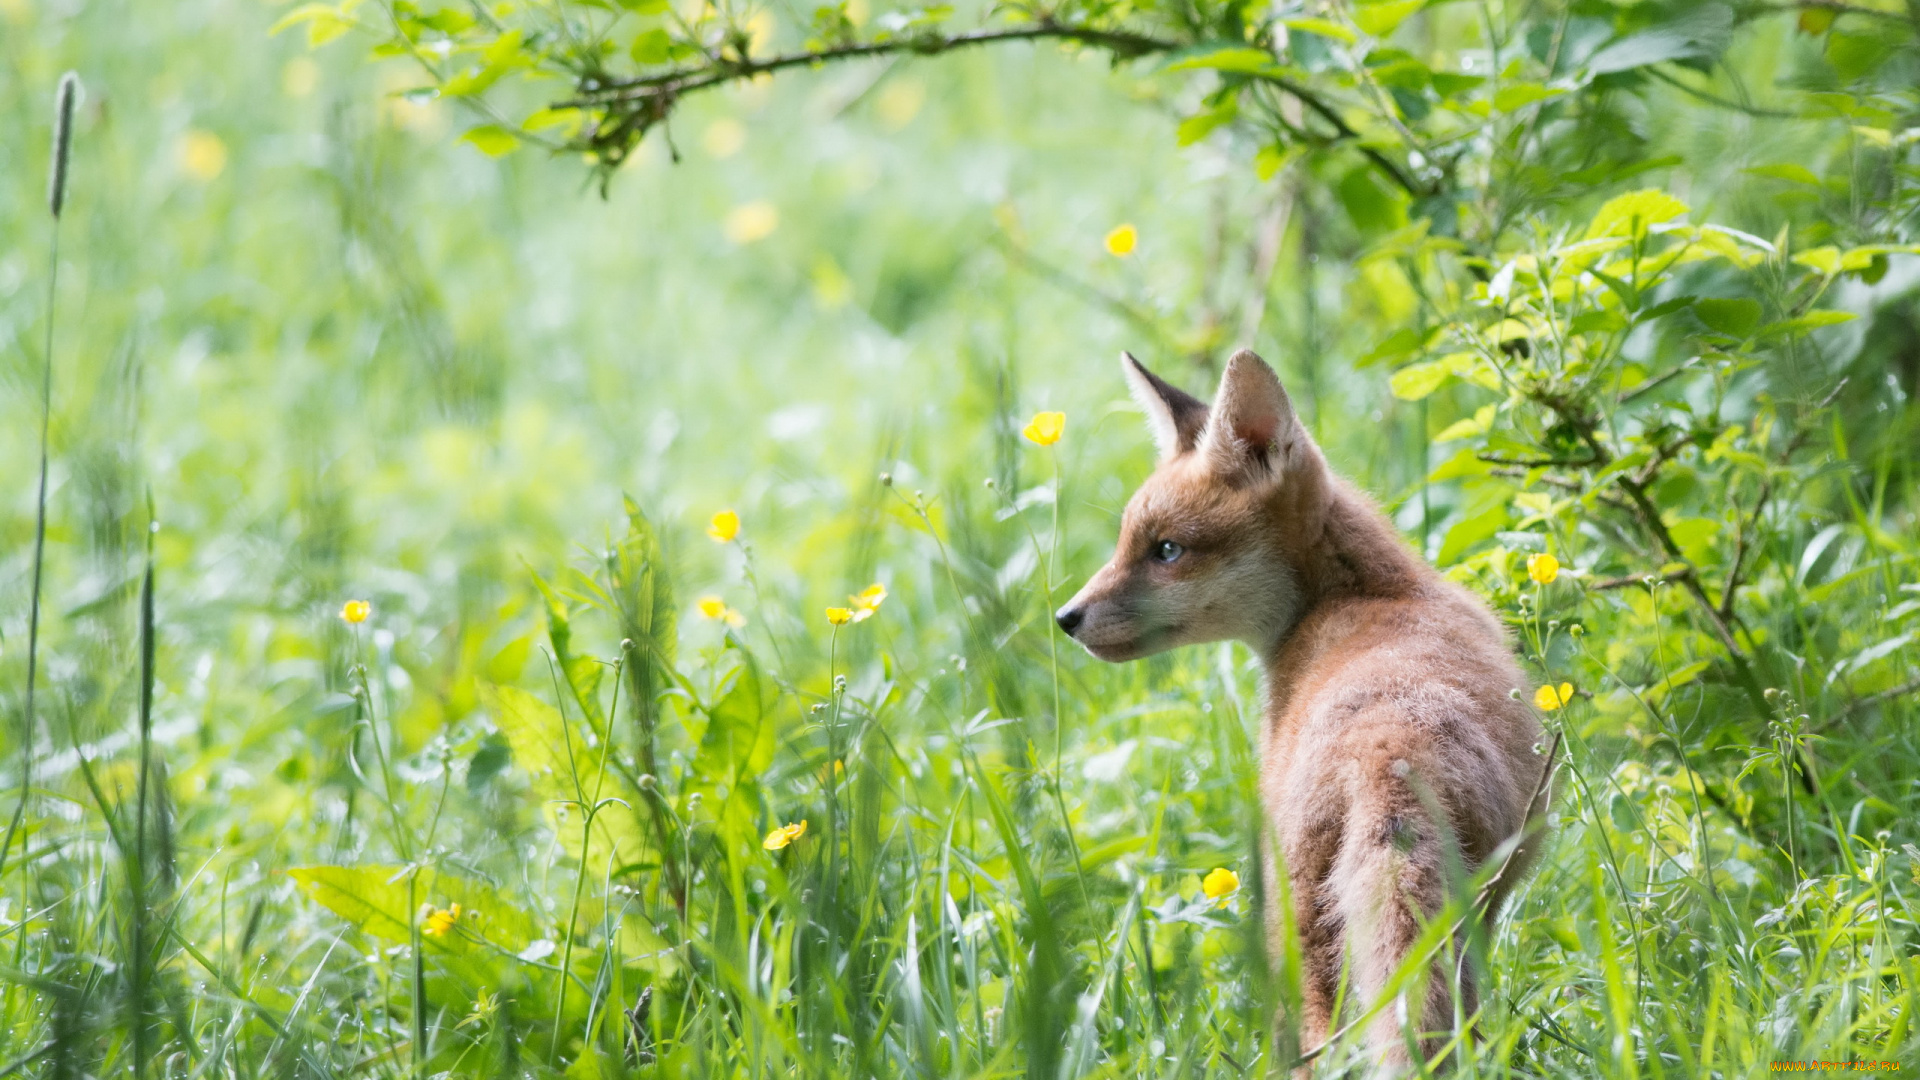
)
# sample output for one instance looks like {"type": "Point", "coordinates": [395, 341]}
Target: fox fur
{"type": "Point", "coordinates": [1392, 694]}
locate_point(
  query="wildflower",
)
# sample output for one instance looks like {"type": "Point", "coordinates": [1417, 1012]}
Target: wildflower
{"type": "Point", "coordinates": [1549, 698]}
{"type": "Point", "coordinates": [202, 155]}
{"type": "Point", "coordinates": [1045, 428]}
{"type": "Point", "coordinates": [724, 526]}
{"type": "Point", "coordinates": [784, 835]}
{"type": "Point", "coordinates": [752, 221]}
{"type": "Point", "coordinates": [712, 607]}
{"type": "Point", "coordinates": [1220, 883]}
{"type": "Point", "coordinates": [440, 921]}
{"type": "Point", "coordinates": [867, 601]}
{"type": "Point", "coordinates": [839, 616]}
{"type": "Point", "coordinates": [1122, 240]}
{"type": "Point", "coordinates": [1543, 568]}
{"type": "Point", "coordinates": [356, 611]}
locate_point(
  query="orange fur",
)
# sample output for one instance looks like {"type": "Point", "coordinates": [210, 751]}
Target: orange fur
{"type": "Point", "coordinates": [1389, 690]}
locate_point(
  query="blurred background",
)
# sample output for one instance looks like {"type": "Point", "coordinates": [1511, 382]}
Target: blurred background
{"type": "Point", "coordinates": [336, 353]}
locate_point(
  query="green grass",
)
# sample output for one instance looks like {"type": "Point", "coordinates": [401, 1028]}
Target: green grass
{"type": "Point", "coordinates": [358, 360]}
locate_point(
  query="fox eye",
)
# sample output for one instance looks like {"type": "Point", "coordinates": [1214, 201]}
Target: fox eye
{"type": "Point", "coordinates": [1166, 551]}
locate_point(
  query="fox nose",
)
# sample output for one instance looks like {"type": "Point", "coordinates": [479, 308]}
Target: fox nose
{"type": "Point", "coordinates": [1070, 618]}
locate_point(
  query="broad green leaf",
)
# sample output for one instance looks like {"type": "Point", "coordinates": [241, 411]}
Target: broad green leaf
{"type": "Point", "coordinates": [1732, 316]}
{"type": "Point", "coordinates": [325, 22]}
{"type": "Point", "coordinates": [1824, 260]}
{"type": "Point", "coordinates": [384, 900]}
{"type": "Point", "coordinates": [1197, 127]}
{"type": "Point", "coordinates": [651, 47]}
{"type": "Point", "coordinates": [1812, 320]}
{"type": "Point", "coordinates": [538, 735]}
{"type": "Point", "coordinates": [1235, 58]}
{"type": "Point", "coordinates": [1788, 171]}
{"type": "Point", "coordinates": [492, 140]}
{"type": "Point", "coordinates": [1631, 214]}
{"type": "Point", "coordinates": [739, 741]}
{"type": "Point", "coordinates": [1518, 95]}
{"type": "Point", "coordinates": [1477, 424]}
{"type": "Point", "coordinates": [1322, 27]}
{"type": "Point", "coordinates": [1380, 19]}
{"type": "Point", "coordinates": [1416, 381]}
{"type": "Point", "coordinates": [1680, 677]}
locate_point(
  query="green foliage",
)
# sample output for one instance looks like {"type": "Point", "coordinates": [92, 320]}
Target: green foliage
{"type": "Point", "coordinates": [1628, 285]}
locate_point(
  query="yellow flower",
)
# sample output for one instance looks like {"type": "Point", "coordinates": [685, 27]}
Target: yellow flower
{"type": "Point", "coordinates": [713, 607]}
{"type": "Point", "coordinates": [724, 526]}
{"type": "Point", "coordinates": [839, 616]}
{"type": "Point", "coordinates": [1122, 240]}
{"type": "Point", "coordinates": [1045, 428]}
{"type": "Point", "coordinates": [752, 221]}
{"type": "Point", "coordinates": [1220, 883]}
{"type": "Point", "coordinates": [1549, 698]}
{"type": "Point", "coordinates": [202, 155]}
{"type": "Point", "coordinates": [440, 921]}
{"type": "Point", "coordinates": [866, 602]}
{"type": "Point", "coordinates": [356, 611]}
{"type": "Point", "coordinates": [1543, 568]}
{"type": "Point", "coordinates": [784, 835]}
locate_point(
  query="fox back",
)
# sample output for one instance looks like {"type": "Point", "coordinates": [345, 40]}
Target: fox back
{"type": "Point", "coordinates": [1397, 749]}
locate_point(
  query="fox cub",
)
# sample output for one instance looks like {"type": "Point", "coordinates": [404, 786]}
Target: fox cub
{"type": "Point", "coordinates": [1390, 691]}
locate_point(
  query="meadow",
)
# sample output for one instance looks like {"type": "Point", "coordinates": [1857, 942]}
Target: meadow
{"type": "Point", "coordinates": [537, 589]}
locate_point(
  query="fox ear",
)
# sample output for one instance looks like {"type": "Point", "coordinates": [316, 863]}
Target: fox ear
{"type": "Point", "coordinates": [1252, 426]}
{"type": "Point", "coordinates": [1174, 416]}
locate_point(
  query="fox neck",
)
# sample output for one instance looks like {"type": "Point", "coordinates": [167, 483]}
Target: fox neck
{"type": "Point", "coordinates": [1336, 546]}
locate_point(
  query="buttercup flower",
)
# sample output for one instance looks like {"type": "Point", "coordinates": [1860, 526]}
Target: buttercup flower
{"type": "Point", "coordinates": [356, 611]}
{"type": "Point", "coordinates": [1549, 698]}
{"type": "Point", "coordinates": [1220, 883]}
{"type": "Point", "coordinates": [1122, 240]}
{"type": "Point", "coordinates": [1045, 428]}
{"type": "Point", "coordinates": [1543, 568]}
{"type": "Point", "coordinates": [724, 526]}
{"type": "Point", "coordinates": [839, 616]}
{"type": "Point", "coordinates": [712, 607]}
{"type": "Point", "coordinates": [440, 921]}
{"type": "Point", "coordinates": [784, 835]}
{"type": "Point", "coordinates": [866, 601]}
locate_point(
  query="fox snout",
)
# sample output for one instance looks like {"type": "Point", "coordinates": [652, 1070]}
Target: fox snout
{"type": "Point", "coordinates": [1102, 620]}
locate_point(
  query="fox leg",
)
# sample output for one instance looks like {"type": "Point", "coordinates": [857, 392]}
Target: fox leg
{"type": "Point", "coordinates": [1389, 883]}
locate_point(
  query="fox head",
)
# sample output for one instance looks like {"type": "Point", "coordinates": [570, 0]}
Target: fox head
{"type": "Point", "coordinates": [1210, 545]}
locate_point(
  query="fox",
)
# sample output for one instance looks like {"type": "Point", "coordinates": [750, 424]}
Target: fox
{"type": "Point", "coordinates": [1396, 746]}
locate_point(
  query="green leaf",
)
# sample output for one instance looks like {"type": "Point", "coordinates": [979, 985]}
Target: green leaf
{"type": "Point", "coordinates": [1812, 320]}
{"type": "Point", "coordinates": [325, 22]}
{"type": "Point", "coordinates": [1195, 128]}
{"type": "Point", "coordinates": [1824, 260]}
{"type": "Point", "coordinates": [383, 901]}
{"type": "Point", "coordinates": [1416, 381]}
{"type": "Point", "coordinates": [1322, 27]}
{"type": "Point", "coordinates": [646, 7]}
{"type": "Point", "coordinates": [1519, 95]}
{"type": "Point", "coordinates": [1856, 55]}
{"type": "Point", "coordinates": [1402, 342]}
{"type": "Point", "coordinates": [1786, 170]}
{"type": "Point", "coordinates": [1447, 83]}
{"type": "Point", "coordinates": [1732, 316]}
{"type": "Point", "coordinates": [738, 744]}
{"type": "Point", "coordinates": [1380, 18]}
{"type": "Point", "coordinates": [538, 736]}
{"type": "Point", "coordinates": [492, 140]}
{"type": "Point", "coordinates": [1631, 214]}
{"type": "Point", "coordinates": [651, 47]}
{"type": "Point", "coordinates": [1235, 58]}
